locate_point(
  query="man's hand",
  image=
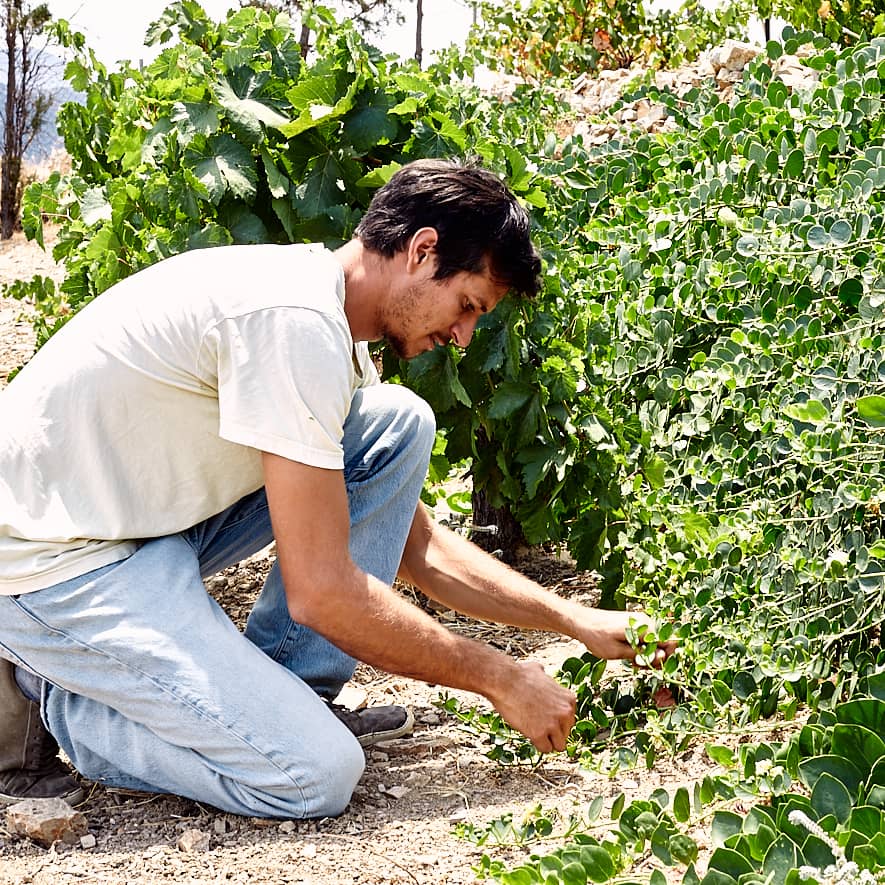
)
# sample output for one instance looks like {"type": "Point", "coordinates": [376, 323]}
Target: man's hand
{"type": "Point", "coordinates": [605, 634]}
{"type": "Point", "coordinates": [537, 706]}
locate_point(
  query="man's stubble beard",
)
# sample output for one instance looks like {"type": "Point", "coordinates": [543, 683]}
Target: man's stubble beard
{"type": "Point", "coordinates": [397, 342]}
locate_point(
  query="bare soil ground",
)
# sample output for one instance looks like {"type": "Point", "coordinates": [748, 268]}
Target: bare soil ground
{"type": "Point", "coordinates": [386, 835]}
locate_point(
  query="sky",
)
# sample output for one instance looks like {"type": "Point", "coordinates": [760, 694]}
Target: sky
{"type": "Point", "coordinates": [115, 29]}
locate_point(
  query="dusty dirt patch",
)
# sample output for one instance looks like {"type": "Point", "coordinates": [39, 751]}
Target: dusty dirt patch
{"type": "Point", "coordinates": [444, 776]}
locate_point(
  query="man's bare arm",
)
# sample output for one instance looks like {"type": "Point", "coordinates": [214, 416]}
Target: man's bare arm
{"type": "Point", "coordinates": [367, 619]}
{"type": "Point", "coordinates": [452, 570]}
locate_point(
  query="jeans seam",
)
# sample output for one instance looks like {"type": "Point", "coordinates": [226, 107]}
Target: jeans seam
{"type": "Point", "coordinates": [164, 689]}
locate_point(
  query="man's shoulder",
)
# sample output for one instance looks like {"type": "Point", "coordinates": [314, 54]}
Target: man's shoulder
{"type": "Point", "coordinates": [242, 279]}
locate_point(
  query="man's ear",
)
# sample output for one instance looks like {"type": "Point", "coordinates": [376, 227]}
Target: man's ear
{"type": "Point", "coordinates": [422, 246]}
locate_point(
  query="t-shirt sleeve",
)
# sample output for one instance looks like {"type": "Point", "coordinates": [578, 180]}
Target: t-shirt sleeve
{"type": "Point", "coordinates": [284, 383]}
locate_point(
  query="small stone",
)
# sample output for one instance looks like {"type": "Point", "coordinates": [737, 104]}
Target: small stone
{"type": "Point", "coordinates": [417, 779]}
{"type": "Point", "coordinates": [309, 850]}
{"type": "Point", "coordinates": [379, 756]}
{"type": "Point", "coordinates": [398, 792]}
{"type": "Point", "coordinates": [288, 827]}
{"type": "Point", "coordinates": [46, 821]}
{"type": "Point", "coordinates": [192, 841]}
{"type": "Point", "coordinates": [431, 718]}
{"type": "Point", "coordinates": [219, 826]}
{"type": "Point", "coordinates": [733, 55]}
{"type": "Point", "coordinates": [87, 841]}
{"type": "Point", "coordinates": [353, 697]}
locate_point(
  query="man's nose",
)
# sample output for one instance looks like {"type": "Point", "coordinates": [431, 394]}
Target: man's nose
{"type": "Point", "coordinates": [462, 331]}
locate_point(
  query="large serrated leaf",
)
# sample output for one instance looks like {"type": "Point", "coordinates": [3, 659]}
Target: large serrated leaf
{"type": "Point", "coordinates": [246, 110]}
{"type": "Point", "coordinates": [371, 124]}
{"type": "Point", "coordinates": [228, 167]}
{"type": "Point", "coordinates": [320, 190]}
{"type": "Point", "coordinates": [508, 399]}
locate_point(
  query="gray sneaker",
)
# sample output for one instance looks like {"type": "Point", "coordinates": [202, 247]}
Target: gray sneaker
{"type": "Point", "coordinates": [51, 780]}
{"type": "Point", "coordinates": [371, 725]}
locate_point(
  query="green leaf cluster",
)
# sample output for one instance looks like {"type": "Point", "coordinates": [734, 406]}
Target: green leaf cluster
{"type": "Point", "coordinates": [818, 811]}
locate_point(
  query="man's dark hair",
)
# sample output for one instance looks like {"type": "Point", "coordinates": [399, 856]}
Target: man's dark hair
{"type": "Point", "coordinates": [479, 222]}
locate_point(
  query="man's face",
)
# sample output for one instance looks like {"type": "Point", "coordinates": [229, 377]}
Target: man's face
{"type": "Point", "coordinates": [428, 312]}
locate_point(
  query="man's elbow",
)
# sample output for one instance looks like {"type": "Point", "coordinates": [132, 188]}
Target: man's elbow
{"type": "Point", "coordinates": [316, 598]}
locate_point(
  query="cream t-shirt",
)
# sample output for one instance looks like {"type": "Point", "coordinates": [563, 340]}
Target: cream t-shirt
{"type": "Point", "coordinates": [147, 413]}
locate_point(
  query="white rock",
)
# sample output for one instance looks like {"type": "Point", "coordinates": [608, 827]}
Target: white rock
{"type": "Point", "coordinates": [734, 55]}
{"type": "Point", "coordinates": [192, 841]}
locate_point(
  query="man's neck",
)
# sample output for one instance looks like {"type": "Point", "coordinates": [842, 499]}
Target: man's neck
{"type": "Point", "coordinates": [366, 282]}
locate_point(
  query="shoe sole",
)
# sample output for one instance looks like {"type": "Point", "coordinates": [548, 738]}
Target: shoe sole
{"type": "Point", "coordinates": [376, 737]}
{"type": "Point", "coordinates": [74, 797]}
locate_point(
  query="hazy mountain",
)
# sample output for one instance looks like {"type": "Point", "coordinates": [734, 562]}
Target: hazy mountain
{"type": "Point", "coordinates": [48, 139]}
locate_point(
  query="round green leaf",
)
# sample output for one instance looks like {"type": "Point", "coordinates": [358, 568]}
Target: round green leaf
{"type": "Point", "coordinates": [730, 862]}
{"type": "Point", "coordinates": [817, 237]}
{"type": "Point", "coordinates": [748, 245]}
{"type": "Point", "coordinates": [795, 165]}
{"type": "Point", "coordinates": [841, 233]}
{"type": "Point", "coordinates": [725, 825]}
{"type": "Point", "coordinates": [838, 767]}
{"type": "Point", "coordinates": [573, 874]}
{"type": "Point", "coordinates": [831, 796]}
{"type": "Point", "coordinates": [857, 742]}
{"type": "Point", "coordinates": [597, 863]}
{"type": "Point", "coordinates": [782, 857]}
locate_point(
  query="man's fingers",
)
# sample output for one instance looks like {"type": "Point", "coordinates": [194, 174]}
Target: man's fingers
{"type": "Point", "coordinates": [655, 661]}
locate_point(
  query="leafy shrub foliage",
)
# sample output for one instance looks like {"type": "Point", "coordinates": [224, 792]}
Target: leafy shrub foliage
{"type": "Point", "coordinates": [818, 801]}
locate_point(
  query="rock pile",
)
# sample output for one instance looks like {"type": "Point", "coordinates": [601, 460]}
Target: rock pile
{"type": "Point", "coordinates": [594, 96]}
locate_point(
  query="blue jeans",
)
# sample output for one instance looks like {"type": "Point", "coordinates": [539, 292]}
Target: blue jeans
{"type": "Point", "coordinates": [149, 685]}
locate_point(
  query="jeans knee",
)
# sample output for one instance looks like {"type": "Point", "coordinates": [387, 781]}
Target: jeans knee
{"type": "Point", "coordinates": [322, 786]}
{"type": "Point", "coordinates": [337, 777]}
{"type": "Point", "coordinates": [423, 421]}
{"type": "Point", "coordinates": [388, 420]}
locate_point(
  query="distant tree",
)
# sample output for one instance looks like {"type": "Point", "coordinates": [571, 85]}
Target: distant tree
{"type": "Point", "coordinates": [27, 103]}
{"type": "Point", "coordinates": [419, 31]}
{"type": "Point", "coordinates": [368, 15]}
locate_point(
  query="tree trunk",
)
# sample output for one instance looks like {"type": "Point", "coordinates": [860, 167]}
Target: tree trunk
{"type": "Point", "coordinates": [508, 535]}
{"type": "Point", "coordinates": [304, 41]}
{"type": "Point", "coordinates": [419, 32]}
{"type": "Point", "coordinates": [10, 169]}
